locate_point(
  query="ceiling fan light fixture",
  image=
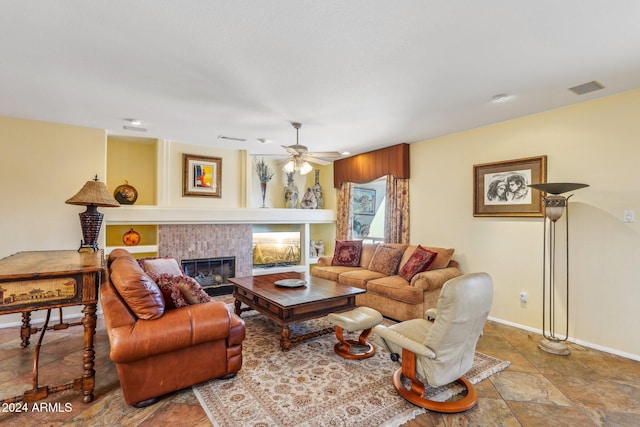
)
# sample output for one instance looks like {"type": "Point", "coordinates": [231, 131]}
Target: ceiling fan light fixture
{"type": "Point", "coordinates": [289, 167]}
{"type": "Point", "coordinates": [305, 168]}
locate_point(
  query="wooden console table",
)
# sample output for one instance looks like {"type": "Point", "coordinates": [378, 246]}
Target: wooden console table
{"type": "Point", "coordinates": [31, 281]}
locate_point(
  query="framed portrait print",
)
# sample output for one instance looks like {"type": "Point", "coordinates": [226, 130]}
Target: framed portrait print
{"type": "Point", "coordinates": [201, 176]}
{"type": "Point", "coordinates": [364, 201]}
{"type": "Point", "coordinates": [501, 188]}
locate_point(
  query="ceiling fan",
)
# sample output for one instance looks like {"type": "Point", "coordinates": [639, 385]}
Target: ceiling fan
{"type": "Point", "coordinates": [301, 157]}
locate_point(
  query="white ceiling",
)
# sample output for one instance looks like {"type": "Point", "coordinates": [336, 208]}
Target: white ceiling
{"type": "Point", "coordinates": [359, 74]}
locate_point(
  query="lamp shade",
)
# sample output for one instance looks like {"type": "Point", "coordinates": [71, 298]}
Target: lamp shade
{"type": "Point", "coordinates": [558, 187]}
{"type": "Point", "coordinates": [93, 193]}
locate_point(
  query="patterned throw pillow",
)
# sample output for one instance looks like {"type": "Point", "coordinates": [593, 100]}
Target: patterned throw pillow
{"type": "Point", "coordinates": [173, 297]}
{"type": "Point", "coordinates": [347, 253]}
{"type": "Point", "coordinates": [419, 261]}
{"type": "Point", "coordinates": [190, 289]}
{"type": "Point", "coordinates": [386, 259]}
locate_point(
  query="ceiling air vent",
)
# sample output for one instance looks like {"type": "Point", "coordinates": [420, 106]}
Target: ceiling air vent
{"type": "Point", "coordinates": [231, 138]}
{"type": "Point", "coordinates": [137, 129]}
{"type": "Point", "coordinates": [586, 88]}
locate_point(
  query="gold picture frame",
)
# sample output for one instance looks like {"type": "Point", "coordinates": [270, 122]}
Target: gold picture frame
{"type": "Point", "coordinates": [501, 188]}
{"type": "Point", "coordinates": [201, 176]}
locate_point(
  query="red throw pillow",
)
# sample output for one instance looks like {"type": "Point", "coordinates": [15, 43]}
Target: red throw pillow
{"type": "Point", "coordinates": [419, 261]}
{"type": "Point", "coordinates": [347, 253]}
{"type": "Point", "coordinates": [173, 297]}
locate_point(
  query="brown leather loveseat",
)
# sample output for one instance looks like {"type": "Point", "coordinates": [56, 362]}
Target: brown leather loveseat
{"type": "Point", "coordinates": [157, 351]}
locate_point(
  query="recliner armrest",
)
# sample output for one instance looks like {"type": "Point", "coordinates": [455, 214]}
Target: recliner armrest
{"type": "Point", "coordinates": [176, 329]}
{"type": "Point", "coordinates": [402, 341]}
{"type": "Point", "coordinates": [434, 279]}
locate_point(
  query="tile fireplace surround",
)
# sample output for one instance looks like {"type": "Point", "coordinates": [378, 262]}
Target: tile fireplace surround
{"type": "Point", "coordinates": [189, 241]}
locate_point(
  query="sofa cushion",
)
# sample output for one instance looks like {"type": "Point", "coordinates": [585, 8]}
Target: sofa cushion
{"type": "Point", "coordinates": [386, 259]}
{"type": "Point", "coordinates": [191, 289]}
{"type": "Point", "coordinates": [347, 253]}
{"type": "Point", "coordinates": [420, 260]}
{"type": "Point", "coordinates": [138, 290]}
{"type": "Point", "coordinates": [331, 272]}
{"type": "Point", "coordinates": [173, 297]}
{"type": "Point", "coordinates": [395, 288]}
{"type": "Point", "coordinates": [359, 278]}
{"type": "Point", "coordinates": [153, 266]}
{"type": "Point", "coordinates": [443, 258]}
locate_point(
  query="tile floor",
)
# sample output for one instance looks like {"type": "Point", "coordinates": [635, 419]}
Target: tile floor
{"type": "Point", "coordinates": [587, 388]}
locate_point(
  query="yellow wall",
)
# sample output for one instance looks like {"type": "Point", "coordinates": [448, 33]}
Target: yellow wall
{"type": "Point", "coordinates": [41, 166]}
{"type": "Point", "coordinates": [594, 142]}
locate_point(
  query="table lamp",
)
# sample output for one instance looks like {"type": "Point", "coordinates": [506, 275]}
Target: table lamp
{"type": "Point", "coordinates": [93, 194]}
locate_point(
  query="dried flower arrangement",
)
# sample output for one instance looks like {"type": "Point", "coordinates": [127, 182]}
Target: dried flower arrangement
{"type": "Point", "coordinates": [264, 171]}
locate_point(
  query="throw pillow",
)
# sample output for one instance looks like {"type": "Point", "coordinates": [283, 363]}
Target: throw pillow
{"type": "Point", "coordinates": [191, 290]}
{"type": "Point", "coordinates": [168, 284]}
{"type": "Point", "coordinates": [347, 253]}
{"type": "Point", "coordinates": [162, 266]}
{"type": "Point", "coordinates": [443, 258]}
{"type": "Point", "coordinates": [385, 260]}
{"type": "Point", "coordinates": [419, 261]}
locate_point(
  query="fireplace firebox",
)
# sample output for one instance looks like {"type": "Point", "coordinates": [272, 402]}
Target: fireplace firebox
{"type": "Point", "coordinates": [212, 273]}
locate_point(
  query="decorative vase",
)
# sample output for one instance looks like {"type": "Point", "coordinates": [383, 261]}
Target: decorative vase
{"type": "Point", "coordinates": [125, 194]}
{"type": "Point", "coordinates": [291, 192]}
{"type": "Point", "coordinates": [263, 193]}
{"type": "Point", "coordinates": [317, 191]}
{"type": "Point", "coordinates": [309, 200]}
{"type": "Point", "coordinates": [131, 238]}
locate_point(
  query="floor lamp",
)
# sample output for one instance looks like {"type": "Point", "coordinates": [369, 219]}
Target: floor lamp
{"type": "Point", "coordinates": [555, 205]}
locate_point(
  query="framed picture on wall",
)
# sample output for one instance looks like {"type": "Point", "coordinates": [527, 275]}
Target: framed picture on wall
{"type": "Point", "coordinates": [364, 201]}
{"type": "Point", "coordinates": [201, 176]}
{"type": "Point", "coordinates": [501, 188]}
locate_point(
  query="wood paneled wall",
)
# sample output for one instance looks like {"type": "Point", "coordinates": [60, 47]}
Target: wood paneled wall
{"type": "Point", "coordinates": [369, 166]}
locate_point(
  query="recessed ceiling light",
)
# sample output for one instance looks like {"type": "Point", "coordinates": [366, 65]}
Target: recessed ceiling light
{"type": "Point", "coordinates": [135, 122]}
{"type": "Point", "coordinates": [500, 97]}
{"type": "Point", "coordinates": [345, 153]}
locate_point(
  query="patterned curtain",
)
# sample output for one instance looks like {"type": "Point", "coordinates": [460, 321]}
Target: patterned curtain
{"type": "Point", "coordinates": [396, 220]}
{"type": "Point", "coordinates": [344, 220]}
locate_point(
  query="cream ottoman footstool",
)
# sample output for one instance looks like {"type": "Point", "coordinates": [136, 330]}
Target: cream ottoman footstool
{"type": "Point", "coordinates": [361, 318]}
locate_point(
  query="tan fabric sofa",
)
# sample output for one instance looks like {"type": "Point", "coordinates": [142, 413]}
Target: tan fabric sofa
{"type": "Point", "coordinates": [393, 296]}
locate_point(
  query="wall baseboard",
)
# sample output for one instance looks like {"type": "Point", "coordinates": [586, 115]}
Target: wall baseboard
{"type": "Point", "coordinates": [570, 339]}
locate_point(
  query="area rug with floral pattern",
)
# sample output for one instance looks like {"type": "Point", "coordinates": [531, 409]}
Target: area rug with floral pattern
{"type": "Point", "coordinates": [310, 385]}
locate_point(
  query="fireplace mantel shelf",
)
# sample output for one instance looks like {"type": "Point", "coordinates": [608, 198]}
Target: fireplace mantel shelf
{"type": "Point", "coordinates": [146, 214]}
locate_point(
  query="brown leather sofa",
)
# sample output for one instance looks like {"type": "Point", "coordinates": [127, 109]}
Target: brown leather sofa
{"type": "Point", "coordinates": [158, 351]}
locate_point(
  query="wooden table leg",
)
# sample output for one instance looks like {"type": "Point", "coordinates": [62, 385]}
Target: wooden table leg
{"type": "Point", "coordinates": [285, 341]}
{"type": "Point", "coordinates": [25, 329]}
{"type": "Point", "coordinates": [238, 307]}
{"type": "Point", "coordinates": [88, 356]}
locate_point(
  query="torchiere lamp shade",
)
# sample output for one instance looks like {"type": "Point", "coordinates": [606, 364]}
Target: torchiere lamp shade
{"type": "Point", "coordinates": [93, 194]}
{"type": "Point", "coordinates": [558, 187]}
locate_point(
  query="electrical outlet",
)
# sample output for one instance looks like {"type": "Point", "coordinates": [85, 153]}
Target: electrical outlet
{"type": "Point", "coordinates": [629, 216]}
{"type": "Point", "coordinates": [523, 296]}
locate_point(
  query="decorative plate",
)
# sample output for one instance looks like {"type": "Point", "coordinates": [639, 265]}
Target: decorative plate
{"type": "Point", "coordinates": [291, 283]}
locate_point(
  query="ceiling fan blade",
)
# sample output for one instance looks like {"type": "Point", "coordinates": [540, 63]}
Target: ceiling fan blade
{"type": "Point", "coordinates": [326, 154]}
{"type": "Point", "coordinates": [291, 150]}
{"type": "Point", "coordinates": [317, 161]}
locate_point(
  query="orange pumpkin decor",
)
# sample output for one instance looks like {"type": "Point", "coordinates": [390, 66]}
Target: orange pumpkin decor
{"type": "Point", "coordinates": [131, 238]}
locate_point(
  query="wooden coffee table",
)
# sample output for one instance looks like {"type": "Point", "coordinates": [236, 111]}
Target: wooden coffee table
{"type": "Point", "coordinates": [285, 306]}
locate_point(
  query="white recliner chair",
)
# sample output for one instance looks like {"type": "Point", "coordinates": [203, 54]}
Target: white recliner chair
{"type": "Point", "coordinates": [441, 352]}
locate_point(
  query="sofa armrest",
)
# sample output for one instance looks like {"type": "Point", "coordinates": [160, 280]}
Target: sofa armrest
{"type": "Point", "coordinates": [176, 329]}
{"type": "Point", "coordinates": [434, 279]}
{"type": "Point", "coordinates": [325, 261]}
